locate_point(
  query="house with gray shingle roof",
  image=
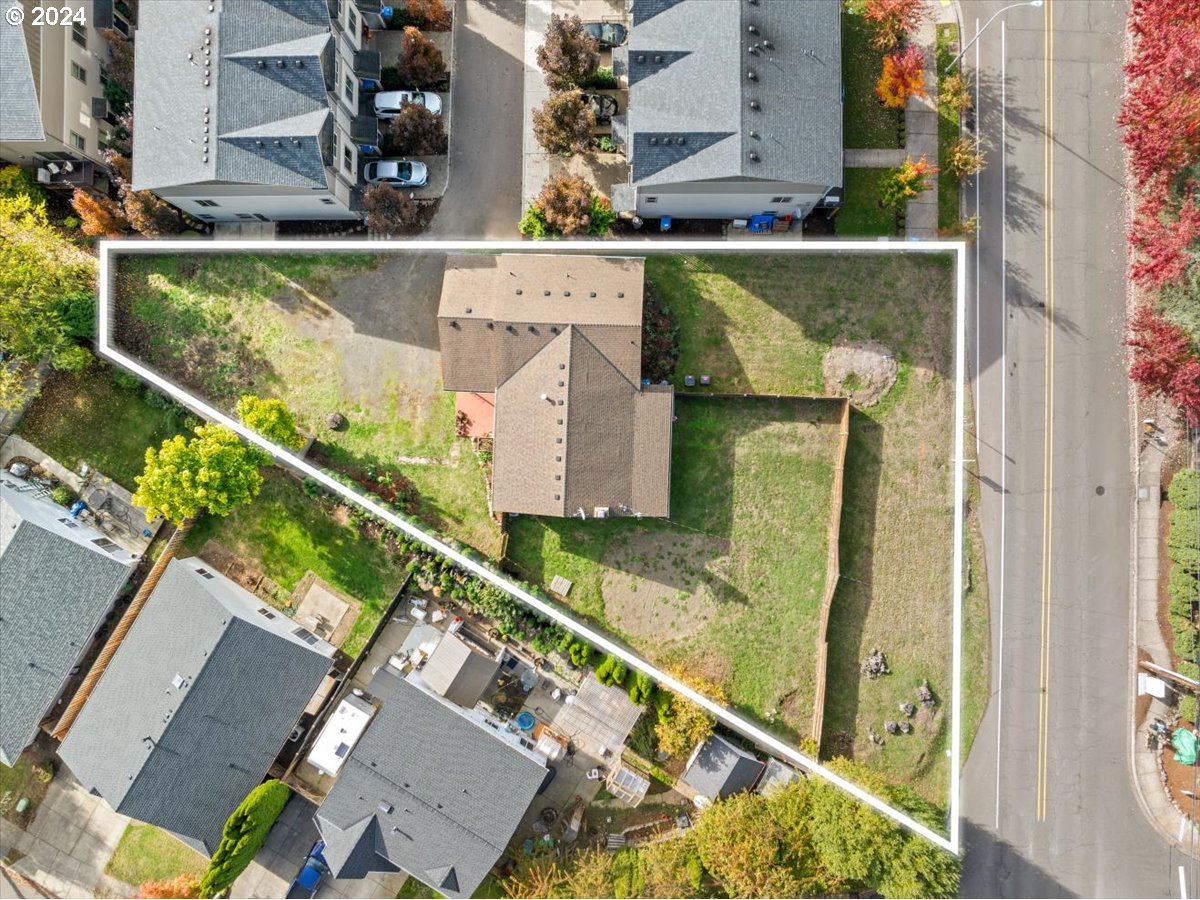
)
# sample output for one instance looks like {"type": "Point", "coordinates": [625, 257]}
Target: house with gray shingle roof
{"type": "Point", "coordinates": [734, 108]}
{"type": "Point", "coordinates": [252, 109]}
{"type": "Point", "coordinates": [58, 580]}
{"type": "Point", "coordinates": [430, 789]}
{"type": "Point", "coordinates": [557, 340]}
{"type": "Point", "coordinates": [196, 704]}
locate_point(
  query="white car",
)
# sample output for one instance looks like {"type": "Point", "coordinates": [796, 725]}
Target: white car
{"type": "Point", "coordinates": [389, 103]}
{"type": "Point", "coordinates": [396, 172]}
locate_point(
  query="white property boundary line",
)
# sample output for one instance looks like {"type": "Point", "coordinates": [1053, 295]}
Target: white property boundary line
{"type": "Point", "coordinates": [730, 719]}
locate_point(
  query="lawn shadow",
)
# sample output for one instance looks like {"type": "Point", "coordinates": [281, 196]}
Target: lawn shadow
{"type": "Point", "coordinates": [852, 601]}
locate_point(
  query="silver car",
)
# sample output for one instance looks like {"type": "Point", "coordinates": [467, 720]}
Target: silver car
{"type": "Point", "coordinates": [396, 172]}
{"type": "Point", "coordinates": [389, 103]}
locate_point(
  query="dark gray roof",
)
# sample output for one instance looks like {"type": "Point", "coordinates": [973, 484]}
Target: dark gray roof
{"type": "Point", "coordinates": [20, 115]}
{"type": "Point", "coordinates": [776, 776]}
{"type": "Point", "coordinates": [56, 586]}
{"type": "Point", "coordinates": [195, 706]}
{"type": "Point", "coordinates": [720, 769]}
{"type": "Point", "coordinates": [428, 789]}
{"type": "Point", "coordinates": [264, 116]}
{"type": "Point", "coordinates": [459, 673]}
{"type": "Point", "coordinates": [689, 65]}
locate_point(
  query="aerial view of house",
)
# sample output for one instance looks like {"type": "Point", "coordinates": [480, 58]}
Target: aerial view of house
{"type": "Point", "coordinates": [195, 706]}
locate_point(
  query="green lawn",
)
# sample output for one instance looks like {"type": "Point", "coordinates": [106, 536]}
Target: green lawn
{"type": "Point", "coordinates": [949, 208]}
{"type": "Point", "coordinates": [290, 533]}
{"type": "Point", "coordinates": [861, 215]}
{"type": "Point", "coordinates": [28, 780]}
{"type": "Point", "coordinates": [761, 324]}
{"type": "Point", "coordinates": [731, 586]}
{"type": "Point", "coordinates": [146, 853]}
{"type": "Point", "coordinates": [866, 123]}
{"type": "Point", "coordinates": [89, 418]}
{"type": "Point", "coordinates": [275, 325]}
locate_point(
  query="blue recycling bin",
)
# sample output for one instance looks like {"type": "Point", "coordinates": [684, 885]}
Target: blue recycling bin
{"type": "Point", "coordinates": [664, 224]}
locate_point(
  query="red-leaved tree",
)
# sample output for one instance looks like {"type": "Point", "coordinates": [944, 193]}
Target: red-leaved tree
{"type": "Point", "coordinates": [903, 76]}
{"type": "Point", "coordinates": [1164, 234]}
{"type": "Point", "coordinates": [893, 20]}
{"type": "Point", "coordinates": [1160, 349]}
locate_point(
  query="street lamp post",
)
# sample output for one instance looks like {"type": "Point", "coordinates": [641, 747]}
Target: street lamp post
{"type": "Point", "coordinates": [996, 15]}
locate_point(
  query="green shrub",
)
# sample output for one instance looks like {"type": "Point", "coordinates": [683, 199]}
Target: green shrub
{"type": "Point", "coordinates": [627, 874]}
{"type": "Point", "coordinates": [533, 225]}
{"type": "Point", "coordinates": [604, 671]}
{"type": "Point", "coordinates": [1185, 489]}
{"type": "Point", "coordinates": [581, 654]}
{"type": "Point", "coordinates": [602, 79]}
{"type": "Point", "coordinates": [1184, 591]}
{"type": "Point", "coordinates": [1189, 708]}
{"type": "Point", "coordinates": [244, 835]}
{"type": "Point", "coordinates": [640, 688]}
{"type": "Point", "coordinates": [1186, 643]}
{"type": "Point", "coordinates": [619, 672]}
{"type": "Point", "coordinates": [1185, 527]}
{"type": "Point", "coordinates": [62, 496]}
{"type": "Point", "coordinates": [126, 380]}
{"type": "Point", "coordinates": [1189, 669]}
{"type": "Point", "coordinates": [602, 216]}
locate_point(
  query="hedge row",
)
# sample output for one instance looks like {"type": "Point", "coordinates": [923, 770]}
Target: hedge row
{"type": "Point", "coordinates": [1183, 587]}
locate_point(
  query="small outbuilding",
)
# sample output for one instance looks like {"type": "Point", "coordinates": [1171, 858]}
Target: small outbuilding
{"type": "Point", "coordinates": [717, 769]}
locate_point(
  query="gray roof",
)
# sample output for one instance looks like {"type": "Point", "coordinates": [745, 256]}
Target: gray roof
{"type": "Point", "coordinates": [719, 769]}
{"type": "Point", "coordinates": [20, 114]}
{"type": "Point", "coordinates": [603, 713]}
{"type": "Point", "coordinates": [459, 673]}
{"type": "Point", "coordinates": [776, 776]}
{"type": "Point", "coordinates": [690, 91]}
{"type": "Point", "coordinates": [427, 789]}
{"type": "Point", "coordinates": [195, 705]}
{"type": "Point", "coordinates": [263, 118]}
{"type": "Point", "coordinates": [56, 585]}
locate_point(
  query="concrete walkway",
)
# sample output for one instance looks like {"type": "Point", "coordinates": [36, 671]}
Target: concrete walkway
{"type": "Point", "coordinates": [535, 162]}
{"type": "Point", "coordinates": [873, 159]}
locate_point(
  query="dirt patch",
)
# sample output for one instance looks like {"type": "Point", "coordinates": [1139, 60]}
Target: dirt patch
{"type": "Point", "coordinates": [660, 583]}
{"type": "Point", "coordinates": [864, 371]}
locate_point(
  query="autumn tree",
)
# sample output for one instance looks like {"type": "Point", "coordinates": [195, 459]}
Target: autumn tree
{"type": "Point", "coordinates": [98, 216]}
{"type": "Point", "coordinates": [962, 158]}
{"type": "Point", "coordinates": [954, 93]}
{"type": "Point", "coordinates": [388, 210]}
{"type": "Point", "coordinates": [181, 887]}
{"type": "Point", "coordinates": [564, 123]}
{"type": "Point", "coordinates": [271, 418]}
{"type": "Point", "coordinates": [420, 64]}
{"type": "Point", "coordinates": [212, 471]}
{"type": "Point", "coordinates": [898, 186]}
{"type": "Point", "coordinates": [903, 76]}
{"type": "Point", "coordinates": [672, 869]}
{"type": "Point", "coordinates": [682, 724]}
{"type": "Point", "coordinates": [1165, 235]}
{"type": "Point", "coordinates": [415, 131]}
{"type": "Point", "coordinates": [569, 54]}
{"type": "Point", "coordinates": [431, 14]}
{"type": "Point", "coordinates": [892, 20]}
{"type": "Point", "coordinates": [535, 878]}
{"type": "Point", "coordinates": [147, 214]}
{"type": "Point", "coordinates": [566, 202]}
{"type": "Point", "coordinates": [744, 848]}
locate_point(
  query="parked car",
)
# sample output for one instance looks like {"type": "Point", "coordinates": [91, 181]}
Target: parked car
{"type": "Point", "coordinates": [603, 106]}
{"type": "Point", "coordinates": [308, 881]}
{"type": "Point", "coordinates": [389, 103]}
{"type": "Point", "coordinates": [607, 34]}
{"type": "Point", "coordinates": [396, 172]}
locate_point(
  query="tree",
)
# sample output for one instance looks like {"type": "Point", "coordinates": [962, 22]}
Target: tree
{"type": "Point", "coordinates": [954, 93]}
{"type": "Point", "coordinates": [1160, 349]}
{"type": "Point", "coordinates": [1185, 390]}
{"type": "Point", "coordinates": [213, 470]}
{"type": "Point", "coordinates": [118, 87]}
{"type": "Point", "coordinates": [272, 419]}
{"type": "Point", "coordinates": [535, 878]}
{"type": "Point", "coordinates": [899, 185]}
{"type": "Point", "coordinates": [892, 20]}
{"type": "Point", "coordinates": [183, 887]}
{"type": "Point", "coordinates": [47, 288]}
{"type": "Point", "coordinates": [15, 387]}
{"type": "Point", "coordinates": [244, 835]}
{"type": "Point", "coordinates": [415, 131]}
{"type": "Point", "coordinates": [420, 64]}
{"type": "Point", "coordinates": [431, 14]}
{"type": "Point", "coordinates": [569, 54]}
{"type": "Point", "coordinates": [963, 157]}
{"type": "Point", "coordinates": [566, 202]}
{"type": "Point", "coordinates": [641, 686]}
{"type": "Point", "coordinates": [564, 123]}
{"type": "Point", "coordinates": [854, 842]}
{"type": "Point", "coordinates": [147, 213]}
{"type": "Point", "coordinates": [672, 869]}
{"type": "Point", "coordinates": [903, 76]}
{"type": "Point", "coordinates": [98, 216]}
{"type": "Point", "coordinates": [388, 210]}
{"type": "Point", "coordinates": [682, 725]}
{"type": "Point", "coordinates": [1165, 233]}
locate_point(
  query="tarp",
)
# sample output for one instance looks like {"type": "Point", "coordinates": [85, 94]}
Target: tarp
{"type": "Point", "coordinates": [1185, 744]}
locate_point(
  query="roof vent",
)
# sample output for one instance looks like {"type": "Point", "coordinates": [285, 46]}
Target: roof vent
{"type": "Point", "coordinates": [300, 63]}
{"type": "Point", "coordinates": [752, 28]}
{"type": "Point", "coordinates": [468, 310]}
{"type": "Point", "coordinates": [296, 141]}
{"type": "Point", "coordinates": [208, 31]}
{"type": "Point", "coordinates": [510, 328]}
{"type": "Point", "coordinates": [554, 329]}
{"type": "Point", "coordinates": [282, 64]}
{"type": "Point", "coordinates": [657, 58]}
{"type": "Point", "coordinates": [258, 143]}
{"type": "Point", "coordinates": [177, 681]}
{"type": "Point", "coordinates": [767, 45]}
{"type": "Point", "coordinates": [666, 142]}
{"type": "Point", "coordinates": [591, 293]}
{"type": "Point", "coordinates": [545, 293]}
{"type": "Point", "coordinates": [566, 293]}
{"type": "Point", "coordinates": [753, 133]}
{"type": "Point", "coordinates": [754, 104]}
{"type": "Point", "coordinates": [641, 57]}
{"type": "Point", "coordinates": [453, 324]}
{"type": "Point", "coordinates": [620, 295]}
{"type": "Point", "coordinates": [385, 807]}
{"type": "Point", "coordinates": [191, 55]}
{"type": "Point", "coordinates": [752, 75]}
{"type": "Point", "coordinates": [754, 157]}
{"type": "Point", "coordinates": [752, 49]}
{"type": "Point", "coordinates": [680, 141]}
{"type": "Point", "coordinates": [653, 142]}
{"type": "Point", "coordinates": [491, 326]}
{"type": "Point", "coordinates": [533, 329]}
{"type": "Point", "coordinates": [517, 291]}
{"type": "Point", "coordinates": [279, 143]}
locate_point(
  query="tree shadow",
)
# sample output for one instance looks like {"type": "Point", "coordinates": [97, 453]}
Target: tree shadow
{"type": "Point", "coordinates": [852, 601]}
{"type": "Point", "coordinates": [994, 868]}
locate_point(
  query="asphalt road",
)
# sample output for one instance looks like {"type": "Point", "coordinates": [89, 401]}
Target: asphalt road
{"type": "Point", "coordinates": [1048, 804]}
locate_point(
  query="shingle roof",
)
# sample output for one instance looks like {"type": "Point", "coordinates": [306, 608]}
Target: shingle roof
{"type": "Point", "coordinates": [195, 705]}
{"type": "Point", "coordinates": [428, 790]}
{"type": "Point", "coordinates": [20, 114]}
{"type": "Point", "coordinates": [721, 769]}
{"type": "Point", "coordinates": [458, 673]}
{"type": "Point", "coordinates": [689, 65]}
{"type": "Point", "coordinates": [56, 585]}
{"type": "Point", "coordinates": [264, 116]}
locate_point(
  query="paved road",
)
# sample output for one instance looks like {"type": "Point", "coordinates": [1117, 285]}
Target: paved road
{"type": "Point", "coordinates": [483, 199]}
{"type": "Point", "coordinates": [1049, 809]}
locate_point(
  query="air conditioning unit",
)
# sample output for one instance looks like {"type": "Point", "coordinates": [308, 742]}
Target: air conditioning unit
{"type": "Point", "coordinates": [43, 176]}
{"type": "Point", "coordinates": [54, 168]}
{"type": "Point", "coordinates": [600, 512]}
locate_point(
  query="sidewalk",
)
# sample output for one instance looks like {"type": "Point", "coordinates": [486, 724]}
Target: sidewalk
{"type": "Point", "coordinates": [1147, 771]}
{"type": "Point", "coordinates": [535, 162]}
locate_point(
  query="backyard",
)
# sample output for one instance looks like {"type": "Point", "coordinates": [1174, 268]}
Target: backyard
{"type": "Point", "coordinates": [352, 334]}
{"type": "Point", "coordinates": [730, 587]}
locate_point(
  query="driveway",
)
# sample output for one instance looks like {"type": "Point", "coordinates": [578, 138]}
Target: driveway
{"type": "Point", "coordinates": [482, 199]}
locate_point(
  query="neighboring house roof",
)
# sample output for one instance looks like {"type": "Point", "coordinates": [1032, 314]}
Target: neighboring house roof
{"type": "Point", "coordinates": [428, 790]}
{"type": "Point", "coordinates": [558, 339]}
{"type": "Point", "coordinates": [691, 116]}
{"type": "Point", "coordinates": [195, 705]}
{"type": "Point", "coordinates": [776, 776]}
{"type": "Point", "coordinates": [264, 116]}
{"type": "Point", "coordinates": [459, 673]}
{"type": "Point", "coordinates": [718, 769]}
{"type": "Point", "coordinates": [58, 579]}
{"type": "Point", "coordinates": [20, 114]}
